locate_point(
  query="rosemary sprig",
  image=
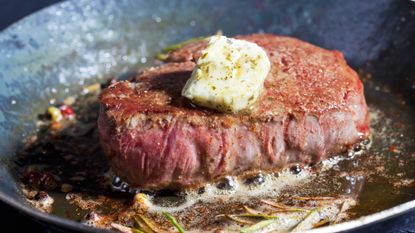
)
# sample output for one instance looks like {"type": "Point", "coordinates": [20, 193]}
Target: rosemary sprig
{"type": "Point", "coordinates": [148, 223]}
{"type": "Point", "coordinates": [260, 226]}
{"type": "Point", "coordinates": [140, 226]}
{"type": "Point", "coordinates": [301, 226]}
{"type": "Point", "coordinates": [137, 222]}
{"type": "Point", "coordinates": [174, 222]}
{"type": "Point", "coordinates": [283, 208]}
{"type": "Point", "coordinates": [135, 230]}
{"type": "Point", "coordinates": [236, 219]}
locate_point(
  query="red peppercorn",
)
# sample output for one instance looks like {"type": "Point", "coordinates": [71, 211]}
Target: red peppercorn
{"type": "Point", "coordinates": [66, 111]}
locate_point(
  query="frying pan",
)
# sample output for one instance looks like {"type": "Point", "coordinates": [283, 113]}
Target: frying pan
{"type": "Point", "coordinates": [53, 53]}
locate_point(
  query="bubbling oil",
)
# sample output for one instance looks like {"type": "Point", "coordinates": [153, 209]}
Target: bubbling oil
{"type": "Point", "coordinates": [240, 190]}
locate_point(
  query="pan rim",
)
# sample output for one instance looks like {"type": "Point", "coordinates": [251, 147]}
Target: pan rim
{"type": "Point", "coordinates": [73, 225]}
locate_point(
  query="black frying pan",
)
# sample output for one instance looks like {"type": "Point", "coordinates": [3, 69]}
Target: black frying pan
{"type": "Point", "coordinates": [53, 53]}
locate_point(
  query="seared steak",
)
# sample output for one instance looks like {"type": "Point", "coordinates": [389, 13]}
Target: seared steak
{"type": "Point", "coordinates": [312, 107]}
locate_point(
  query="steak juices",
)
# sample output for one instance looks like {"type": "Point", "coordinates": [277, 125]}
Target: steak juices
{"type": "Point", "coordinates": [312, 106]}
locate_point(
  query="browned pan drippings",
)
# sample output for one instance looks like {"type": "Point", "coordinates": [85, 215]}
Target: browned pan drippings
{"type": "Point", "coordinates": [69, 166]}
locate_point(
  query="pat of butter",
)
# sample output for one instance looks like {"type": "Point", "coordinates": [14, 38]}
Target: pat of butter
{"type": "Point", "coordinates": [229, 75]}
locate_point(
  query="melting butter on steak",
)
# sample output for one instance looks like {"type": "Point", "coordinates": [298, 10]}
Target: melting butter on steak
{"type": "Point", "coordinates": [312, 106]}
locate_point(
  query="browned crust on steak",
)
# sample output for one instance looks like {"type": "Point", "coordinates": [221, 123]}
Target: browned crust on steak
{"type": "Point", "coordinates": [313, 105]}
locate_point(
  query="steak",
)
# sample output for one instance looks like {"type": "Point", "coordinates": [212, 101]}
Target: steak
{"type": "Point", "coordinates": [312, 107]}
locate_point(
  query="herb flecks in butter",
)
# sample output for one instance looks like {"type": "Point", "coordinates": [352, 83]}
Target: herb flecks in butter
{"type": "Point", "coordinates": [229, 75]}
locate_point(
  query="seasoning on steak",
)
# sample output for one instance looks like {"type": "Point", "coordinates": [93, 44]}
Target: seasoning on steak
{"type": "Point", "coordinates": [312, 107]}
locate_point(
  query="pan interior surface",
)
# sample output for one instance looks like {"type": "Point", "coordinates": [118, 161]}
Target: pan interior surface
{"type": "Point", "coordinates": [55, 53]}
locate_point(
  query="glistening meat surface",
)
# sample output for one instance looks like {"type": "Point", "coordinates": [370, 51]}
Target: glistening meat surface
{"type": "Point", "coordinates": [313, 106]}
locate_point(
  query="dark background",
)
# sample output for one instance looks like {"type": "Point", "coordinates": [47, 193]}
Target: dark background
{"type": "Point", "coordinates": [13, 10]}
{"type": "Point", "coordinates": [10, 12]}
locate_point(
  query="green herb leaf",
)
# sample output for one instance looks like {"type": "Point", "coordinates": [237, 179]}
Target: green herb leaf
{"type": "Point", "coordinates": [162, 56]}
{"type": "Point", "coordinates": [174, 222]}
{"type": "Point", "coordinates": [181, 44]}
